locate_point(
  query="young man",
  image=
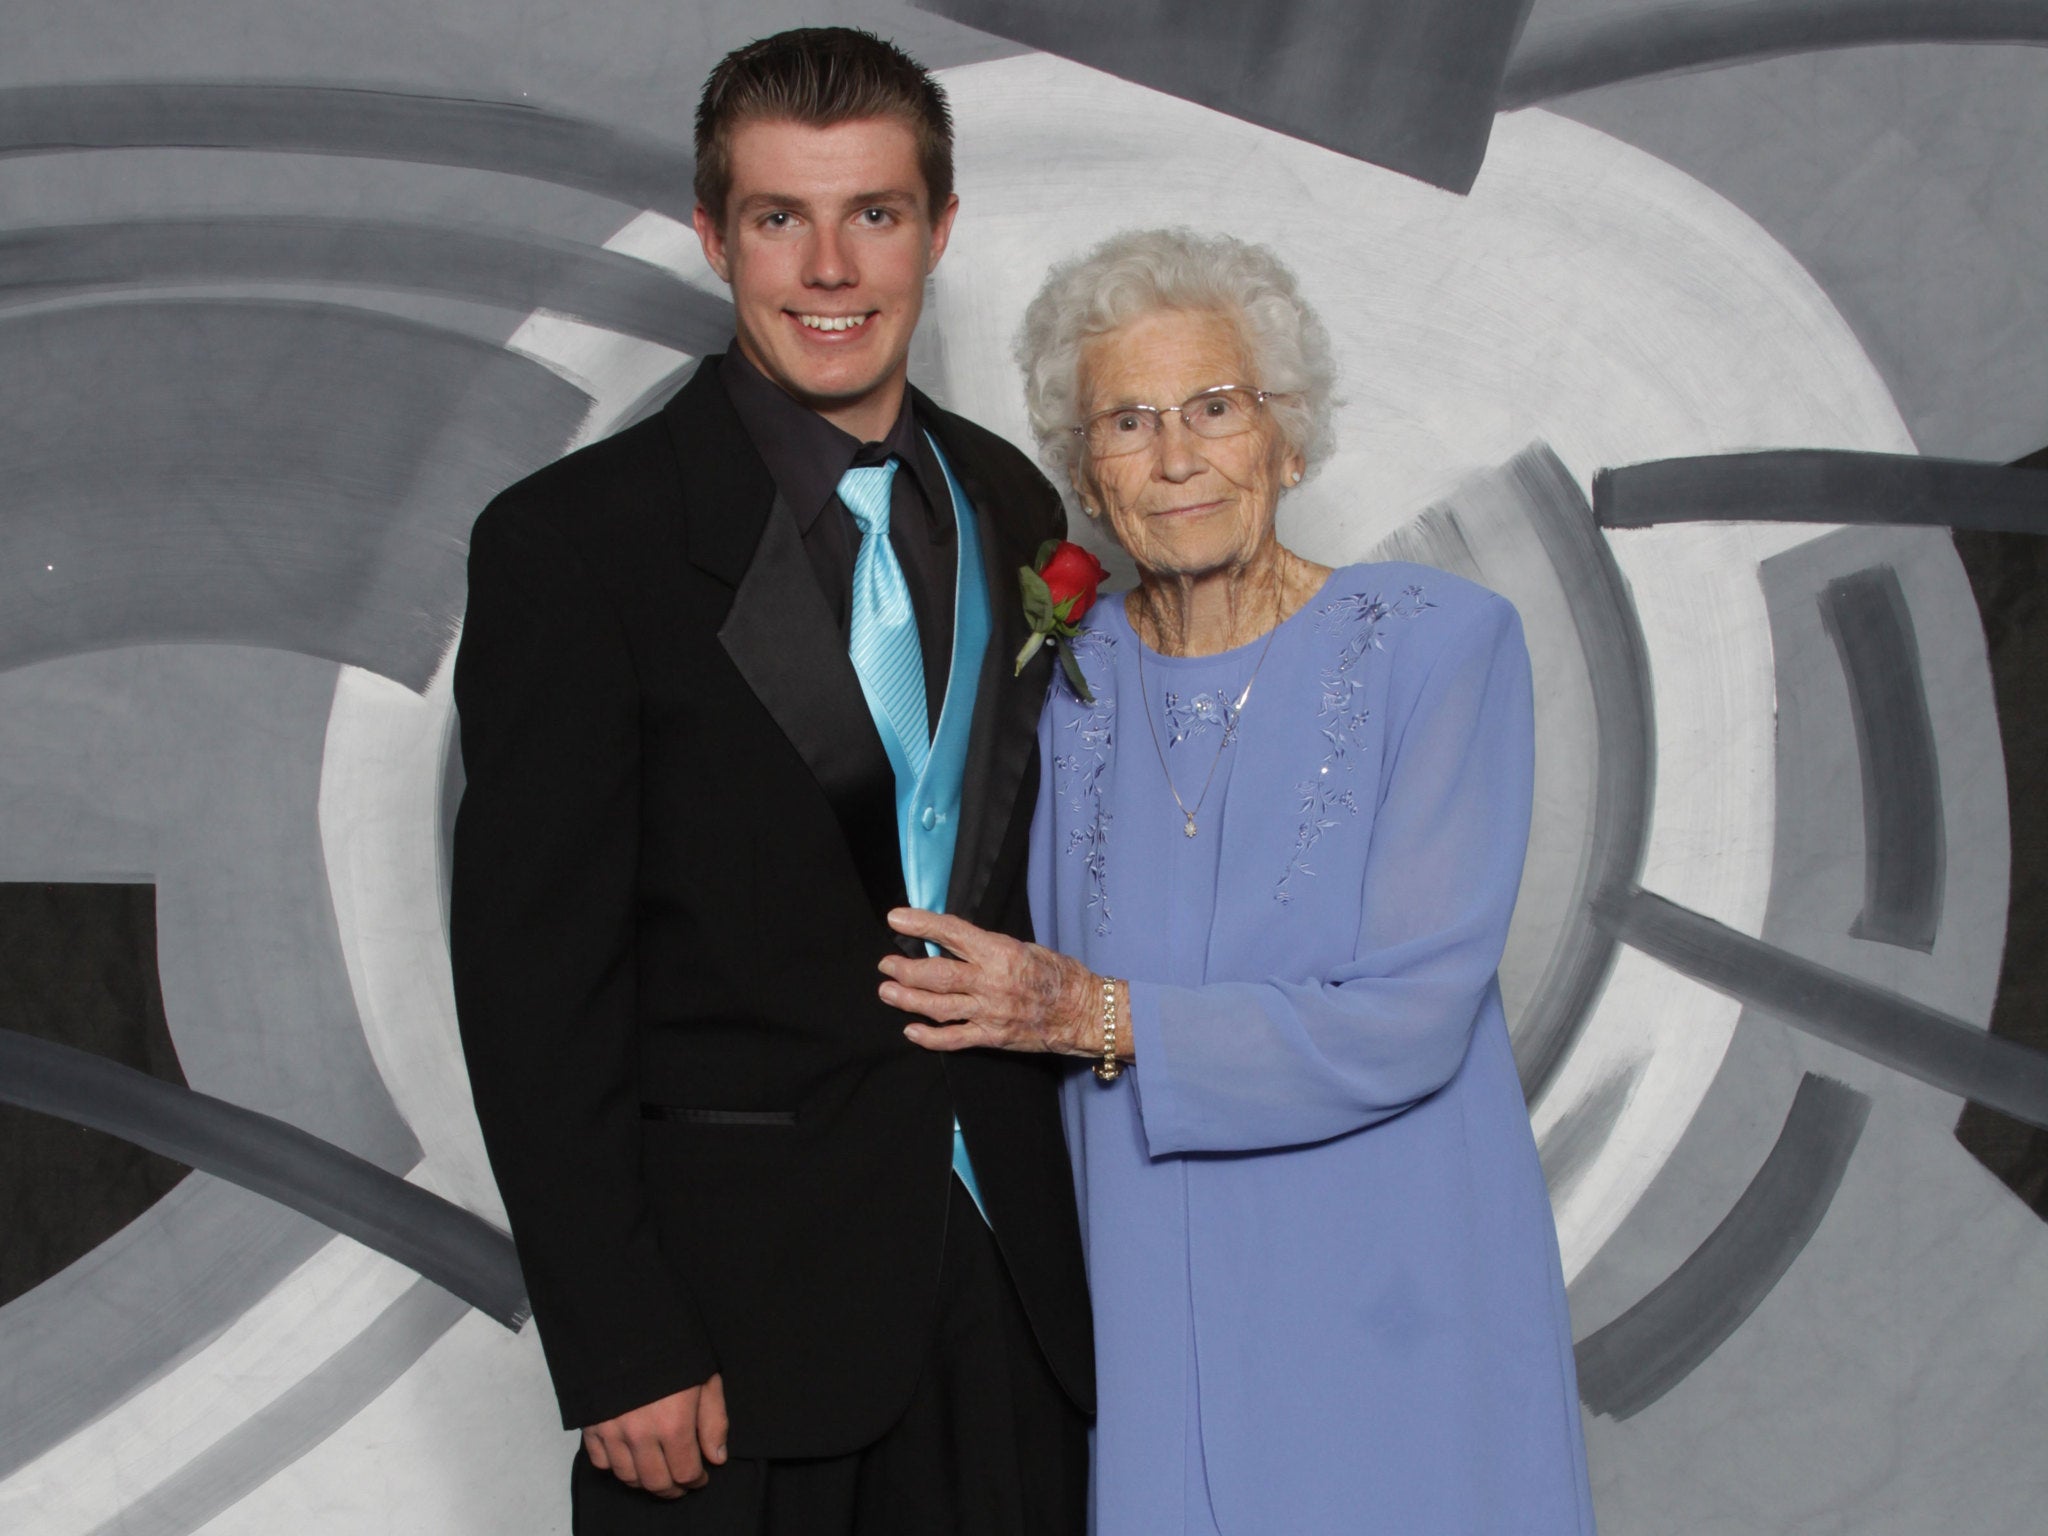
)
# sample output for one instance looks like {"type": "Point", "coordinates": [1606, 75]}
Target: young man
{"type": "Point", "coordinates": [733, 684]}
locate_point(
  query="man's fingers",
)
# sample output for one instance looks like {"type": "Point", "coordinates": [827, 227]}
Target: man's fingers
{"type": "Point", "coordinates": [683, 1463]}
{"type": "Point", "coordinates": [711, 1421]}
{"type": "Point", "coordinates": [593, 1447]}
{"type": "Point", "coordinates": [654, 1467]}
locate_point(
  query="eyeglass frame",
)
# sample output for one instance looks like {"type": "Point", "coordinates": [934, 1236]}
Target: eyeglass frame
{"type": "Point", "coordinates": [1159, 412]}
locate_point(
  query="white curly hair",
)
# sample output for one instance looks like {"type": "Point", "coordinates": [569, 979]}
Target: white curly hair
{"type": "Point", "coordinates": [1141, 271]}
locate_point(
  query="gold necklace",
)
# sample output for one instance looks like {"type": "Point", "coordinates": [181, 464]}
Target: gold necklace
{"type": "Point", "coordinates": [1230, 719]}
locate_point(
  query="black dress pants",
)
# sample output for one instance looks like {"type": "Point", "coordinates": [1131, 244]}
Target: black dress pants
{"type": "Point", "coordinates": [988, 1446]}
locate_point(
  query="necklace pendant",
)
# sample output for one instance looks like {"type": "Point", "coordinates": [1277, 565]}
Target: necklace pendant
{"type": "Point", "coordinates": [1189, 829]}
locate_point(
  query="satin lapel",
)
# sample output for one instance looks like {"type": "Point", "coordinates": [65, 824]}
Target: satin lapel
{"type": "Point", "coordinates": [1005, 731]}
{"type": "Point", "coordinates": [781, 636]}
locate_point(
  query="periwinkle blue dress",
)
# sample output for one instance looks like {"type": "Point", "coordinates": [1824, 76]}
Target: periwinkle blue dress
{"type": "Point", "coordinates": [1326, 1280]}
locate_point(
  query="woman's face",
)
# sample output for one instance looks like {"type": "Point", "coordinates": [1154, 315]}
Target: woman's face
{"type": "Point", "coordinates": [1183, 506]}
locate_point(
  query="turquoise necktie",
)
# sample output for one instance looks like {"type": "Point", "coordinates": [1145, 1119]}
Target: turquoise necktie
{"type": "Point", "coordinates": [890, 664]}
{"type": "Point", "coordinates": [883, 642]}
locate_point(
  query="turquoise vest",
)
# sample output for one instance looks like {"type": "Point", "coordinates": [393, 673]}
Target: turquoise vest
{"type": "Point", "coordinates": [928, 806]}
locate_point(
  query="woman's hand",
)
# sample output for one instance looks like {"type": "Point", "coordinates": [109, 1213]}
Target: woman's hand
{"type": "Point", "coordinates": [998, 993]}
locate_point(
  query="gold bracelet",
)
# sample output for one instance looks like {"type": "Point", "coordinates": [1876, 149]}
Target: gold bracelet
{"type": "Point", "coordinates": [1107, 1069]}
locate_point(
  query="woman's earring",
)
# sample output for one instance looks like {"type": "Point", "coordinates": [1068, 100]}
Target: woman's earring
{"type": "Point", "coordinates": [1089, 510]}
{"type": "Point", "coordinates": [1295, 478]}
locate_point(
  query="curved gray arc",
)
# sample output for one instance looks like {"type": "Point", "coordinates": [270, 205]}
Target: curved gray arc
{"type": "Point", "coordinates": [1563, 60]}
{"type": "Point", "coordinates": [255, 1451]}
{"type": "Point", "coordinates": [513, 138]}
{"type": "Point", "coordinates": [1618, 671]}
{"type": "Point", "coordinates": [1824, 485]}
{"type": "Point", "coordinates": [1904, 846]}
{"type": "Point", "coordinates": [457, 1250]}
{"type": "Point", "coordinates": [1654, 1345]}
{"type": "Point", "coordinates": [293, 475]}
{"type": "Point", "coordinates": [1891, 1030]}
{"type": "Point", "coordinates": [523, 272]}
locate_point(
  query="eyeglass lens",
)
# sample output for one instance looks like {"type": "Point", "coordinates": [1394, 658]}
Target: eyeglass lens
{"type": "Point", "coordinates": [1213, 413]}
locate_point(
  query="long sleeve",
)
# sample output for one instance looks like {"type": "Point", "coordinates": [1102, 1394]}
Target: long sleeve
{"type": "Point", "coordinates": [1242, 1065]}
{"type": "Point", "coordinates": [542, 929]}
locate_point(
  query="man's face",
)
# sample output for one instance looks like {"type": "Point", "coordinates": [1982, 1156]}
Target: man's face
{"type": "Point", "coordinates": [827, 240]}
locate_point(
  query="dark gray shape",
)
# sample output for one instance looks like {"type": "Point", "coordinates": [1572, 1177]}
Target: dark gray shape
{"type": "Point", "coordinates": [320, 1403]}
{"type": "Point", "coordinates": [516, 138]}
{"type": "Point", "coordinates": [457, 1250]}
{"type": "Point", "coordinates": [1574, 1142]}
{"type": "Point", "coordinates": [1823, 485]}
{"type": "Point", "coordinates": [523, 272]}
{"type": "Point", "coordinates": [1407, 84]}
{"type": "Point", "coordinates": [1671, 39]}
{"type": "Point", "coordinates": [1904, 851]}
{"type": "Point", "coordinates": [1662, 1339]}
{"type": "Point", "coordinates": [1872, 1021]}
{"type": "Point", "coordinates": [290, 475]}
{"type": "Point", "coordinates": [1618, 669]}
{"type": "Point", "coordinates": [150, 1296]}
{"type": "Point", "coordinates": [199, 768]}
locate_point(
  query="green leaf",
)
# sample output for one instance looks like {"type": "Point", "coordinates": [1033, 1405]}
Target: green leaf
{"type": "Point", "coordinates": [1072, 667]}
{"type": "Point", "coordinates": [1037, 599]}
{"type": "Point", "coordinates": [1065, 612]}
{"type": "Point", "coordinates": [1045, 553]}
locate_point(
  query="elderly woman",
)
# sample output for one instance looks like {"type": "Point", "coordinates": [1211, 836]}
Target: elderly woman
{"type": "Point", "coordinates": [1274, 860]}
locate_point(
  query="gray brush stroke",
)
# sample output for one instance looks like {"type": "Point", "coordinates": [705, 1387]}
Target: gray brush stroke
{"type": "Point", "coordinates": [515, 138]}
{"type": "Point", "coordinates": [1823, 485]}
{"type": "Point", "coordinates": [155, 1293]}
{"type": "Point", "coordinates": [1894, 1031]}
{"type": "Point", "coordinates": [1669, 40]}
{"type": "Point", "coordinates": [320, 1403]}
{"type": "Point", "coordinates": [1649, 1349]}
{"type": "Point", "coordinates": [291, 475]}
{"type": "Point", "coordinates": [1536, 487]}
{"type": "Point", "coordinates": [457, 1250]}
{"type": "Point", "coordinates": [1618, 670]}
{"type": "Point", "coordinates": [1574, 1142]}
{"type": "Point", "coordinates": [1904, 850]}
{"type": "Point", "coordinates": [523, 272]}
{"type": "Point", "coordinates": [1407, 84]}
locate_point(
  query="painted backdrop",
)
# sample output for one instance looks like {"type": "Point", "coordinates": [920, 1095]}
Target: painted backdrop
{"type": "Point", "coordinates": [1706, 331]}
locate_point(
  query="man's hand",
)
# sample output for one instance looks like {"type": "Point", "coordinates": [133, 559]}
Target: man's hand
{"type": "Point", "coordinates": [665, 1447]}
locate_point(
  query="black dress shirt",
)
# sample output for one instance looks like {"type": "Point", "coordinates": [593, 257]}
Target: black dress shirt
{"type": "Point", "coordinates": [806, 455]}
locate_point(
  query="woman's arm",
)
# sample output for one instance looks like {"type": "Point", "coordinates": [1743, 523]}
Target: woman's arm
{"type": "Point", "coordinates": [1235, 1066]}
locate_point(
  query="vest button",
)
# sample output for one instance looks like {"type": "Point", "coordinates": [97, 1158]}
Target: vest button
{"type": "Point", "coordinates": [930, 818]}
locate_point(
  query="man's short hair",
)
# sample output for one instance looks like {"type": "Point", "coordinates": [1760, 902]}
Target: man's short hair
{"type": "Point", "coordinates": [819, 76]}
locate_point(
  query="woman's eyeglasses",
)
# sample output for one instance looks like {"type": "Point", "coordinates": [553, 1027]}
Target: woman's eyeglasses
{"type": "Point", "coordinates": [1224, 411]}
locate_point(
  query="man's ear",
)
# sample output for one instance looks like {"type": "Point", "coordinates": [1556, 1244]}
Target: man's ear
{"type": "Point", "coordinates": [942, 231]}
{"type": "Point", "coordinates": [711, 235]}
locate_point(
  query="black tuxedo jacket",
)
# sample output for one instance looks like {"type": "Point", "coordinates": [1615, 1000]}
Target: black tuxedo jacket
{"type": "Point", "coordinates": [672, 860]}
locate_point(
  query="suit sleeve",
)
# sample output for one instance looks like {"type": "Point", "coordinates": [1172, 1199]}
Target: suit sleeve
{"type": "Point", "coordinates": [542, 930]}
{"type": "Point", "coordinates": [1238, 1066]}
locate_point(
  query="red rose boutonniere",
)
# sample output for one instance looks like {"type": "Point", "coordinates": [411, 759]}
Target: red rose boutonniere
{"type": "Point", "coordinates": [1059, 588]}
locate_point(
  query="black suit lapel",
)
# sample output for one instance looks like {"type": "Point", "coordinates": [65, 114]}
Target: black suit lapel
{"type": "Point", "coordinates": [1004, 734]}
{"type": "Point", "coordinates": [780, 632]}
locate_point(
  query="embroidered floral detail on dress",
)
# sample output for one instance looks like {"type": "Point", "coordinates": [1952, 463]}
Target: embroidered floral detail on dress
{"type": "Point", "coordinates": [1342, 718]}
{"type": "Point", "coordinates": [1185, 720]}
{"type": "Point", "coordinates": [1080, 769]}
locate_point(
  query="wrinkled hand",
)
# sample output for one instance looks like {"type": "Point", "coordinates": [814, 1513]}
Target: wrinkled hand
{"type": "Point", "coordinates": [665, 1447]}
{"type": "Point", "coordinates": [997, 993]}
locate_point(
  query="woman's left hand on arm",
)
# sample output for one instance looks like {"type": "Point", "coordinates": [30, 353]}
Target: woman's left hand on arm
{"type": "Point", "coordinates": [992, 991]}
